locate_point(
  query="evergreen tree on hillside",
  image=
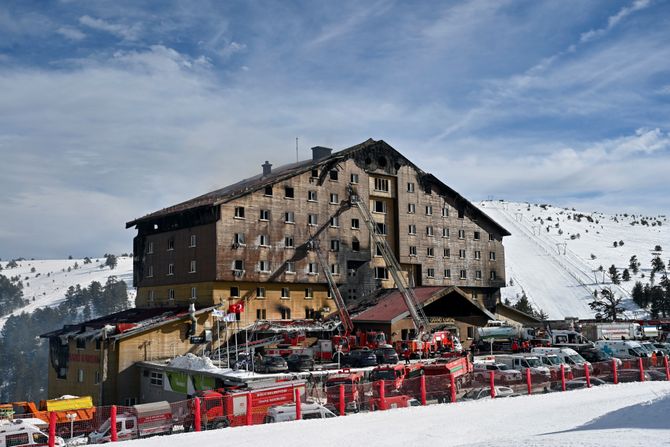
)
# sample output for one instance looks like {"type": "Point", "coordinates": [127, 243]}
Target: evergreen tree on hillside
{"type": "Point", "coordinates": [524, 305]}
{"type": "Point", "coordinates": [639, 295]}
{"type": "Point", "coordinates": [625, 276]}
{"type": "Point", "coordinates": [614, 274]}
{"type": "Point", "coordinates": [657, 265]}
{"type": "Point", "coordinates": [110, 261]}
{"type": "Point", "coordinates": [634, 265]}
{"type": "Point", "coordinates": [11, 296]}
{"type": "Point", "coordinates": [607, 304]}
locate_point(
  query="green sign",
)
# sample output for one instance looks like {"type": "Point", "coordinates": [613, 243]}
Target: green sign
{"type": "Point", "coordinates": [203, 383]}
{"type": "Point", "coordinates": [177, 382]}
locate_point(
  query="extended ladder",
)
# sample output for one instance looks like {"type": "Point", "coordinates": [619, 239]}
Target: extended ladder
{"type": "Point", "coordinates": [416, 312]}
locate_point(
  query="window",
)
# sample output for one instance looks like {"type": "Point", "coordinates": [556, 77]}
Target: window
{"type": "Point", "coordinates": [170, 269]}
{"type": "Point", "coordinates": [309, 293]}
{"type": "Point", "coordinates": [461, 213]}
{"type": "Point", "coordinates": [239, 212]}
{"type": "Point", "coordinates": [97, 377]}
{"type": "Point", "coordinates": [461, 234]}
{"type": "Point", "coordinates": [355, 245]}
{"type": "Point", "coordinates": [264, 215]}
{"type": "Point", "coordinates": [335, 269]}
{"type": "Point", "coordinates": [412, 229]}
{"type": "Point", "coordinates": [80, 376]}
{"type": "Point", "coordinates": [315, 173]}
{"type": "Point", "coordinates": [381, 184]}
{"type": "Point", "coordinates": [192, 270]}
{"type": "Point", "coordinates": [261, 314]}
{"type": "Point", "coordinates": [128, 402]}
{"type": "Point", "coordinates": [478, 254]}
{"type": "Point", "coordinates": [235, 291]}
{"type": "Point", "coordinates": [289, 217]}
{"type": "Point", "coordinates": [353, 178]}
{"type": "Point", "coordinates": [411, 208]}
{"type": "Point", "coordinates": [333, 175]}
{"type": "Point", "coordinates": [285, 293]}
{"type": "Point", "coordinates": [492, 256]}
{"type": "Point", "coordinates": [260, 292]}
{"type": "Point", "coordinates": [150, 271]}
{"type": "Point", "coordinates": [81, 343]}
{"type": "Point", "coordinates": [461, 253]}
{"type": "Point", "coordinates": [381, 228]}
{"type": "Point", "coordinates": [380, 206]}
{"type": "Point", "coordinates": [430, 272]}
{"type": "Point", "coordinates": [170, 244]}
{"type": "Point", "coordinates": [493, 274]}
{"type": "Point", "coordinates": [334, 245]}
{"type": "Point", "coordinates": [335, 221]}
{"type": "Point", "coordinates": [464, 274]}
{"type": "Point", "coordinates": [355, 224]}
{"type": "Point", "coordinates": [194, 293]}
{"type": "Point", "coordinates": [152, 298]}
{"type": "Point", "coordinates": [491, 237]}
{"type": "Point", "coordinates": [447, 273]}
{"type": "Point", "coordinates": [447, 253]}
{"type": "Point", "coordinates": [171, 295]}
{"type": "Point", "coordinates": [477, 235]}
{"type": "Point", "coordinates": [285, 313]}
{"type": "Point", "coordinates": [412, 250]}
{"type": "Point", "coordinates": [478, 274]}
{"type": "Point", "coordinates": [381, 273]}
{"type": "Point", "coordinates": [264, 240]}
{"type": "Point", "coordinates": [239, 239]}
{"type": "Point", "coordinates": [311, 219]}
{"type": "Point", "coordinates": [289, 193]}
{"type": "Point", "coordinates": [150, 248]}
{"type": "Point", "coordinates": [334, 198]}
{"type": "Point", "coordinates": [193, 240]}
{"type": "Point", "coordinates": [310, 313]}
{"type": "Point", "coordinates": [268, 190]}
{"type": "Point", "coordinates": [264, 266]}
{"type": "Point", "coordinates": [429, 210]}
{"type": "Point", "coordinates": [288, 241]}
{"type": "Point", "coordinates": [445, 232]}
{"type": "Point", "coordinates": [18, 439]}
{"type": "Point", "coordinates": [445, 211]}
{"type": "Point", "coordinates": [238, 264]}
{"type": "Point", "coordinates": [410, 187]}
{"type": "Point", "coordinates": [429, 231]}
{"type": "Point", "coordinates": [430, 252]}
{"type": "Point", "coordinates": [311, 196]}
{"type": "Point", "coordinates": [290, 267]}
{"type": "Point", "coordinates": [312, 268]}
{"type": "Point", "coordinates": [378, 250]}
{"type": "Point", "coordinates": [428, 190]}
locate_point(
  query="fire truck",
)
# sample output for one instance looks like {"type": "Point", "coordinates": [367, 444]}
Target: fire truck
{"type": "Point", "coordinates": [397, 377]}
{"type": "Point", "coordinates": [223, 408]}
{"type": "Point", "coordinates": [439, 373]}
{"type": "Point", "coordinates": [352, 392]}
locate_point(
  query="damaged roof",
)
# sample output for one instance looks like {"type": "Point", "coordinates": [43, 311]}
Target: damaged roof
{"type": "Point", "coordinates": [123, 324]}
{"type": "Point", "coordinates": [288, 171]}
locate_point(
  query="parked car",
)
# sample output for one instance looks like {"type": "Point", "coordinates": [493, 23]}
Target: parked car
{"type": "Point", "coordinates": [485, 393]}
{"type": "Point", "coordinates": [309, 410]}
{"type": "Point", "coordinates": [271, 364]}
{"type": "Point", "coordinates": [663, 347]}
{"type": "Point", "coordinates": [360, 357]}
{"type": "Point", "coordinates": [501, 372]}
{"type": "Point", "coordinates": [386, 355]}
{"type": "Point", "coordinates": [600, 360]}
{"type": "Point", "coordinates": [577, 384]}
{"type": "Point", "coordinates": [300, 362]}
{"type": "Point", "coordinates": [626, 375]}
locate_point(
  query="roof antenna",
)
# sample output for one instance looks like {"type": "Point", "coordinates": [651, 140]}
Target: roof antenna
{"type": "Point", "coordinates": [296, 149]}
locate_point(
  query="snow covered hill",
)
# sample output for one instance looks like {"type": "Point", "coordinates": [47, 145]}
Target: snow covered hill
{"type": "Point", "coordinates": [47, 284]}
{"type": "Point", "coordinates": [554, 254]}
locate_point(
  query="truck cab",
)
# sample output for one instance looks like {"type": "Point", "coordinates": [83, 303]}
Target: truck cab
{"type": "Point", "coordinates": [352, 394]}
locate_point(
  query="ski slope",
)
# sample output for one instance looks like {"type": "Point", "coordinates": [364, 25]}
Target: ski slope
{"type": "Point", "coordinates": [48, 284]}
{"type": "Point", "coordinates": [633, 414]}
{"type": "Point", "coordinates": [554, 257]}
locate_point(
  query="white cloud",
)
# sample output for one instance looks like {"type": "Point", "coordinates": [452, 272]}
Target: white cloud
{"type": "Point", "coordinates": [232, 48]}
{"type": "Point", "coordinates": [124, 31]}
{"type": "Point", "coordinates": [614, 20]}
{"type": "Point", "coordinates": [71, 33]}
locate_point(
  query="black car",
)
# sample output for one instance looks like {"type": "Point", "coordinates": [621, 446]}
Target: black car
{"type": "Point", "coordinates": [300, 362]}
{"type": "Point", "coordinates": [386, 355]}
{"type": "Point", "coordinates": [271, 364]}
{"type": "Point", "coordinates": [360, 357]}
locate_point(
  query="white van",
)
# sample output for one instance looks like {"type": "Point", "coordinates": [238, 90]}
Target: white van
{"type": "Point", "coordinates": [19, 433]}
{"type": "Point", "coordinates": [308, 410]}
{"type": "Point", "coordinates": [522, 363]}
{"type": "Point", "coordinates": [623, 349]}
{"type": "Point", "coordinates": [553, 362]}
{"type": "Point", "coordinates": [568, 355]}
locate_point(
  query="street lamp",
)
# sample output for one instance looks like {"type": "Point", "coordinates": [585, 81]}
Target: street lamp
{"type": "Point", "coordinates": [71, 417]}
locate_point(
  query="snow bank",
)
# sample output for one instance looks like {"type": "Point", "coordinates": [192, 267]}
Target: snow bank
{"type": "Point", "coordinates": [194, 363]}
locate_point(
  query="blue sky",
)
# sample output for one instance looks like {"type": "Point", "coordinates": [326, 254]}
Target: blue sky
{"type": "Point", "coordinates": [113, 109]}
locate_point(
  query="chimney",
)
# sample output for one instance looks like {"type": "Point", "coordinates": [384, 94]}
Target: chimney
{"type": "Point", "coordinates": [320, 152]}
{"type": "Point", "coordinates": [267, 168]}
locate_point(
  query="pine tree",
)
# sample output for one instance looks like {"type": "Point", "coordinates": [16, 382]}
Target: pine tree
{"type": "Point", "coordinates": [639, 295]}
{"type": "Point", "coordinates": [634, 265]}
{"type": "Point", "coordinates": [608, 305]}
{"type": "Point", "coordinates": [614, 274]}
{"type": "Point", "coordinates": [524, 305]}
{"type": "Point", "coordinates": [657, 265]}
{"type": "Point", "coordinates": [625, 276]}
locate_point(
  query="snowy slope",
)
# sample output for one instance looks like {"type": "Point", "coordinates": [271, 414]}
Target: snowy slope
{"type": "Point", "coordinates": [555, 266]}
{"type": "Point", "coordinates": [48, 284]}
{"type": "Point", "coordinates": [610, 415]}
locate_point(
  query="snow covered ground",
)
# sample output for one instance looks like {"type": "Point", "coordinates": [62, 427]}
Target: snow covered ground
{"type": "Point", "coordinates": [634, 414]}
{"type": "Point", "coordinates": [556, 266]}
{"type": "Point", "coordinates": [46, 286]}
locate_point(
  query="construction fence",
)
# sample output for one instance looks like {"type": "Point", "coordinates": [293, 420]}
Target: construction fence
{"type": "Point", "coordinates": [115, 423]}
